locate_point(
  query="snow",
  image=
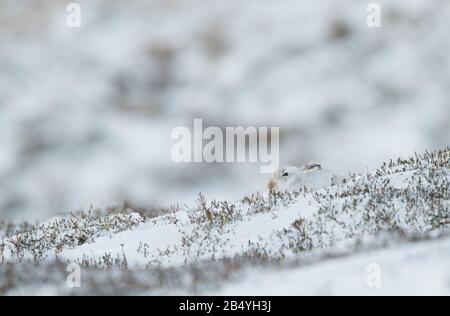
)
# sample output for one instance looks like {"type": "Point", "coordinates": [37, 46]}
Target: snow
{"type": "Point", "coordinates": [417, 269]}
{"type": "Point", "coordinates": [85, 113]}
{"type": "Point", "coordinates": [325, 241]}
{"type": "Point", "coordinates": [86, 117]}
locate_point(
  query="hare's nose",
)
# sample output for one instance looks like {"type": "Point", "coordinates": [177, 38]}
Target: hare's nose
{"type": "Point", "coordinates": [271, 185]}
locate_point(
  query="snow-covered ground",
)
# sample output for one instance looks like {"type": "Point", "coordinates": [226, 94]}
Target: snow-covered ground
{"type": "Point", "coordinates": [86, 117]}
{"type": "Point", "coordinates": [86, 114]}
{"type": "Point", "coordinates": [415, 269]}
{"type": "Point", "coordinates": [384, 232]}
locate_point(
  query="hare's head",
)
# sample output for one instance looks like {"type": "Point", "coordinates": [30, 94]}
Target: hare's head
{"type": "Point", "coordinates": [281, 177]}
{"type": "Point", "coordinates": [285, 178]}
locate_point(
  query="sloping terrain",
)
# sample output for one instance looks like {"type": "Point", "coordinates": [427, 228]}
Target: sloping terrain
{"type": "Point", "coordinates": [86, 114]}
{"type": "Point", "coordinates": [396, 217]}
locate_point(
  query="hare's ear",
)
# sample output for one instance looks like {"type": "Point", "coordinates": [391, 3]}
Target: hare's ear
{"type": "Point", "coordinates": [313, 165]}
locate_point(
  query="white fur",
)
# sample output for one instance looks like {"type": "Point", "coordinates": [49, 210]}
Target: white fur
{"type": "Point", "coordinates": [312, 175]}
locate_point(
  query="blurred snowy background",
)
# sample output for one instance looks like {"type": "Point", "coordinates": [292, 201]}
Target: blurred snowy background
{"type": "Point", "coordinates": [86, 114]}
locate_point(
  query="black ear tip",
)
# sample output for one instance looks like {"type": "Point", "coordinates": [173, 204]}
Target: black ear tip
{"type": "Point", "coordinates": [313, 166]}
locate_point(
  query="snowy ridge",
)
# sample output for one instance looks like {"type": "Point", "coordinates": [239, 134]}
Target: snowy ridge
{"type": "Point", "coordinates": [401, 202]}
{"type": "Point", "coordinates": [330, 83]}
{"type": "Point", "coordinates": [396, 197]}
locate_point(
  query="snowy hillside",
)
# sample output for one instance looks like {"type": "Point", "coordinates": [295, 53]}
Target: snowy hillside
{"type": "Point", "coordinates": [86, 114]}
{"type": "Point", "coordinates": [324, 241]}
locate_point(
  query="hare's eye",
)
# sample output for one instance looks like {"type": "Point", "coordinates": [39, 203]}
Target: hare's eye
{"type": "Point", "coordinates": [285, 174]}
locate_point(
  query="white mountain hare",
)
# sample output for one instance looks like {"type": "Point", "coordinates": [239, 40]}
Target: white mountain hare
{"type": "Point", "coordinates": [311, 175]}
